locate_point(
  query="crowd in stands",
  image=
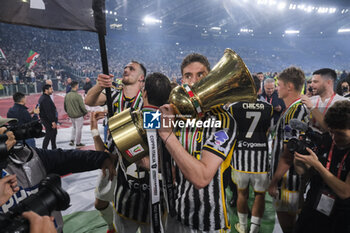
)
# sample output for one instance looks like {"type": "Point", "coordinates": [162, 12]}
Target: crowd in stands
{"type": "Point", "coordinates": [67, 58]}
{"type": "Point", "coordinates": [66, 53]}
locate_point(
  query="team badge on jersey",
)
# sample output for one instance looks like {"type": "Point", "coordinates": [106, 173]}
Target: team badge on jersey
{"type": "Point", "coordinates": [220, 137]}
{"type": "Point", "coordinates": [151, 120]}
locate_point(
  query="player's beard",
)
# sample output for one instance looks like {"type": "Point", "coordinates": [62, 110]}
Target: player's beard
{"type": "Point", "coordinates": [319, 91]}
{"type": "Point", "coordinates": [126, 81]}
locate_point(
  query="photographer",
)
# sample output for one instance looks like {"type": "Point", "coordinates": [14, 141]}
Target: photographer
{"type": "Point", "coordinates": [327, 206]}
{"type": "Point", "coordinates": [8, 184]}
{"type": "Point", "coordinates": [8, 187]}
{"type": "Point", "coordinates": [21, 113]}
{"type": "Point", "coordinates": [39, 224]}
{"type": "Point", "coordinates": [31, 165]}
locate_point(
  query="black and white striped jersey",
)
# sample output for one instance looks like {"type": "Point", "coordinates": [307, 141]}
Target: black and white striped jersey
{"type": "Point", "coordinates": [282, 135]}
{"type": "Point", "coordinates": [204, 209]}
{"type": "Point", "coordinates": [253, 122]}
{"type": "Point", "coordinates": [131, 196]}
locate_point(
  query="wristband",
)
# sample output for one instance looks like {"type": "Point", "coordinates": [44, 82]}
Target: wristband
{"type": "Point", "coordinates": [168, 138]}
{"type": "Point", "coordinates": [95, 132]}
{"type": "Point", "coordinates": [312, 108]}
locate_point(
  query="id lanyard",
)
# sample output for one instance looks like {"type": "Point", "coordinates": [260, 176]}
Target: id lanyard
{"type": "Point", "coordinates": [156, 223]}
{"type": "Point", "coordinates": [330, 155]}
{"type": "Point", "coordinates": [270, 99]}
{"type": "Point", "coordinates": [329, 102]}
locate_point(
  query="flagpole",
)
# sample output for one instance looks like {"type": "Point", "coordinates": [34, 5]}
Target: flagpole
{"type": "Point", "coordinates": [103, 52]}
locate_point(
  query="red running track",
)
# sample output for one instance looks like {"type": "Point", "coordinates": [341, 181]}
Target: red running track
{"type": "Point", "coordinates": [32, 100]}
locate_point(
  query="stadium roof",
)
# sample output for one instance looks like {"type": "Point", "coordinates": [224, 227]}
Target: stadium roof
{"type": "Point", "coordinates": [230, 18]}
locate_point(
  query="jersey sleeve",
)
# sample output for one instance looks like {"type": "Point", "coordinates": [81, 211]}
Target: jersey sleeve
{"type": "Point", "coordinates": [298, 112]}
{"type": "Point", "coordinates": [220, 140]}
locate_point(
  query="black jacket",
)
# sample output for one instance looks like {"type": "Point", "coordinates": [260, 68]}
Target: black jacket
{"type": "Point", "coordinates": [274, 101]}
{"type": "Point", "coordinates": [63, 162]}
{"type": "Point", "coordinates": [20, 112]}
{"type": "Point", "coordinates": [48, 112]}
{"type": "Point", "coordinates": [34, 164]}
{"type": "Point", "coordinates": [87, 87]}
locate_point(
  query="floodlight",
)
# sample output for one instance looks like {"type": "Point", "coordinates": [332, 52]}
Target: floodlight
{"type": "Point", "coordinates": [332, 10]}
{"type": "Point", "coordinates": [343, 30]}
{"type": "Point", "coordinates": [301, 7]}
{"type": "Point", "coordinates": [215, 28]}
{"type": "Point", "coordinates": [262, 2]}
{"type": "Point", "coordinates": [281, 5]}
{"type": "Point", "coordinates": [322, 10]}
{"type": "Point", "coordinates": [291, 31]}
{"type": "Point", "coordinates": [309, 9]}
{"type": "Point", "coordinates": [151, 20]}
{"type": "Point", "coordinates": [272, 2]}
{"type": "Point", "coordinates": [246, 30]}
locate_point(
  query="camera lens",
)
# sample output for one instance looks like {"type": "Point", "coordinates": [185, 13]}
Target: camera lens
{"type": "Point", "coordinates": [50, 197]}
{"type": "Point", "coordinates": [292, 145]}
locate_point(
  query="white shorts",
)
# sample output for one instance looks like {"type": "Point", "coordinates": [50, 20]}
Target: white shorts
{"type": "Point", "coordinates": [259, 181]}
{"type": "Point", "coordinates": [287, 201]}
{"type": "Point", "coordinates": [105, 188]}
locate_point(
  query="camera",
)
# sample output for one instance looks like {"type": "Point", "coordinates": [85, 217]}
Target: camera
{"type": "Point", "coordinates": [311, 139]}
{"type": "Point", "coordinates": [3, 152]}
{"type": "Point", "coordinates": [296, 145]}
{"type": "Point", "coordinates": [310, 89]}
{"type": "Point", "coordinates": [28, 130]}
{"type": "Point", "coordinates": [49, 197]}
{"type": "Point", "coordinates": [21, 132]}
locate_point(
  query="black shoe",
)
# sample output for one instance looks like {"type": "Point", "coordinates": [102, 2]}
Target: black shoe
{"type": "Point", "coordinates": [71, 143]}
{"type": "Point", "coordinates": [80, 145]}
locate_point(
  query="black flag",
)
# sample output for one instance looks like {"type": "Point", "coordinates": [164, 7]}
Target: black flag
{"type": "Point", "coordinates": [86, 15]}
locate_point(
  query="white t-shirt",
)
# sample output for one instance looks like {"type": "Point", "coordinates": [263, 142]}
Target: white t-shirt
{"type": "Point", "coordinates": [323, 107]}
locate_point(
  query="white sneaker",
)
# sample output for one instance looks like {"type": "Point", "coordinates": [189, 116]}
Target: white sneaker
{"type": "Point", "coordinates": [238, 228]}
